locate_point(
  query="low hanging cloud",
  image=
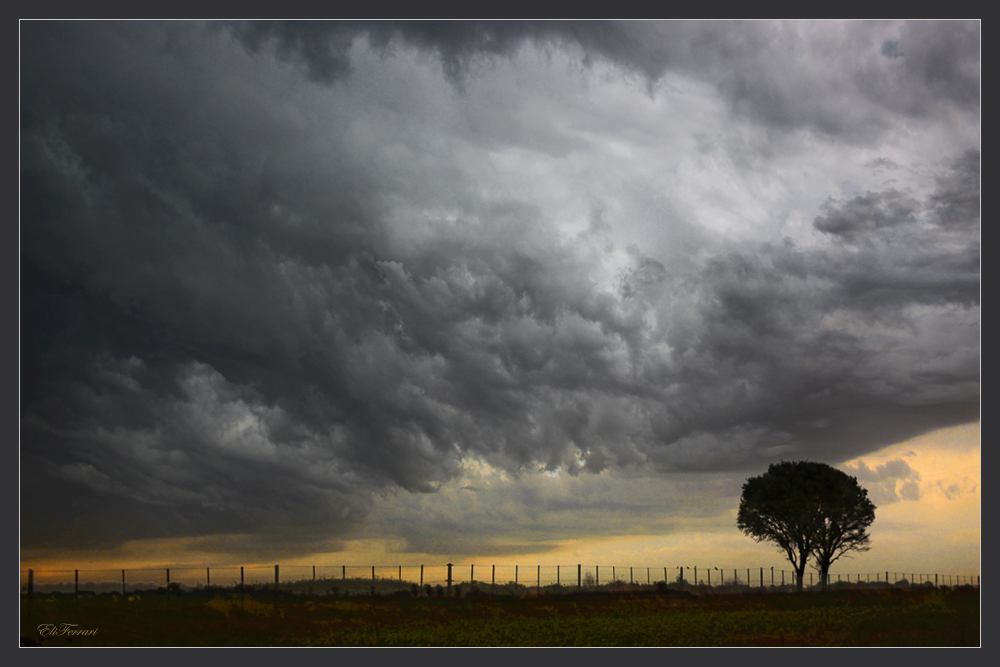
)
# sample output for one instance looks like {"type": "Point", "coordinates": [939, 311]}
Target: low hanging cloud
{"type": "Point", "coordinates": [255, 297]}
{"type": "Point", "coordinates": [786, 75]}
{"type": "Point", "coordinates": [889, 482]}
{"type": "Point", "coordinates": [865, 213]}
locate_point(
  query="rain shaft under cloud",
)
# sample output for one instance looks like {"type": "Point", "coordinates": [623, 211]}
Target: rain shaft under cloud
{"type": "Point", "coordinates": [270, 271]}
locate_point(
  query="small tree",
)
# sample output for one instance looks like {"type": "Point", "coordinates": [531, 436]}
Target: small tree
{"type": "Point", "coordinates": [806, 509]}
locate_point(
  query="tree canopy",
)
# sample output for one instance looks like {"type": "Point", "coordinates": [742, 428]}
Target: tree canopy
{"type": "Point", "coordinates": [807, 510]}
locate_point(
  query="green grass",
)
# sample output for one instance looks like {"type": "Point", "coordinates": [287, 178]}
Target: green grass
{"type": "Point", "coordinates": [888, 617]}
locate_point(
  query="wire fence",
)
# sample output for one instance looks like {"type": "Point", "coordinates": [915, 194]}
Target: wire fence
{"type": "Point", "coordinates": [454, 578]}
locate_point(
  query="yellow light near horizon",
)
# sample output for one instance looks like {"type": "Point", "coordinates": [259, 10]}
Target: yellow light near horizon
{"type": "Point", "coordinates": [938, 532]}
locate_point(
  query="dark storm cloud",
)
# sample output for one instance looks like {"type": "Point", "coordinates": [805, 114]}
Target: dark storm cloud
{"type": "Point", "coordinates": [239, 317]}
{"type": "Point", "coordinates": [956, 200]}
{"type": "Point", "coordinates": [955, 203]}
{"type": "Point", "coordinates": [324, 47]}
{"type": "Point", "coordinates": [787, 75]}
{"type": "Point", "coordinates": [865, 213]}
{"type": "Point", "coordinates": [940, 58]}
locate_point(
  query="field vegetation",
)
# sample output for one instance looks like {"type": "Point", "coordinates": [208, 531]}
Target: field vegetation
{"type": "Point", "coordinates": [509, 615]}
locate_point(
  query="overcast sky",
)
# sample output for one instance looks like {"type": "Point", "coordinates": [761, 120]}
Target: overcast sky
{"type": "Point", "coordinates": [285, 286]}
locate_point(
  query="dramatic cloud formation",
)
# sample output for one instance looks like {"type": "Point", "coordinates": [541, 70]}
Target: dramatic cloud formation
{"type": "Point", "coordinates": [274, 275]}
{"type": "Point", "coordinates": [893, 480]}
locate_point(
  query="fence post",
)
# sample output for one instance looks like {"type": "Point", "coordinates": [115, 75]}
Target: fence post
{"type": "Point", "coordinates": [343, 572]}
{"type": "Point", "coordinates": [666, 580]}
{"type": "Point", "coordinates": [648, 579]}
{"type": "Point", "coordinates": [538, 580]}
{"type": "Point", "coordinates": [472, 573]}
{"type": "Point", "coordinates": [208, 577]}
{"type": "Point", "coordinates": [515, 575]}
{"type": "Point", "coordinates": [579, 575]}
{"type": "Point", "coordinates": [494, 580]}
{"type": "Point", "coordinates": [314, 573]}
{"type": "Point", "coordinates": [597, 572]}
{"type": "Point", "coordinates": [695, 582]}
{"type": "Point", "coordinates": [421, 575]}
{"type": "Point", "coordinates": [123, 582]}
{"type": "Point", "coordinates": [935, 581]}
{"type": "Point", "coordinates": [558, 579]}
{"type": "Point", "coordinates": [373, 573]}
{"type": "Point", "coordinates": [76, 584]}
{"type": "Point", "coordinates": [762, 577]}
{"type": "Point", "coordinates": [241, 586]}
{"type": "Point", "coordinates": [630, 579]}
{"type": "Point", "coordinates": [449, 579]}
{"type": "Point", "coordinates": [275, 577]}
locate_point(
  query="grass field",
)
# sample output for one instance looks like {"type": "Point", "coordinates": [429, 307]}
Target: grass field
{"type": "Point", "coordinates": [874, 617]}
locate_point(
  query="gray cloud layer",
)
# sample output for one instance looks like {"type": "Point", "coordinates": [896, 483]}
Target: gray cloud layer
{"type": "Point", "coordinates": [789, 75]}
{"type": "Point", "coordinates": [252, 299]}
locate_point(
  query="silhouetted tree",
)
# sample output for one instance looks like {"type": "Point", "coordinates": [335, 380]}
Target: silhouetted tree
{"type": "Point", "coordinates": [806, 509]}
{"type": "Point", "coordinates": [845, 514]}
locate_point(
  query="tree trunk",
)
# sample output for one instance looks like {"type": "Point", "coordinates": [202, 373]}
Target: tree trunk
{"type": "Point", "coordinates": [798, 579]}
